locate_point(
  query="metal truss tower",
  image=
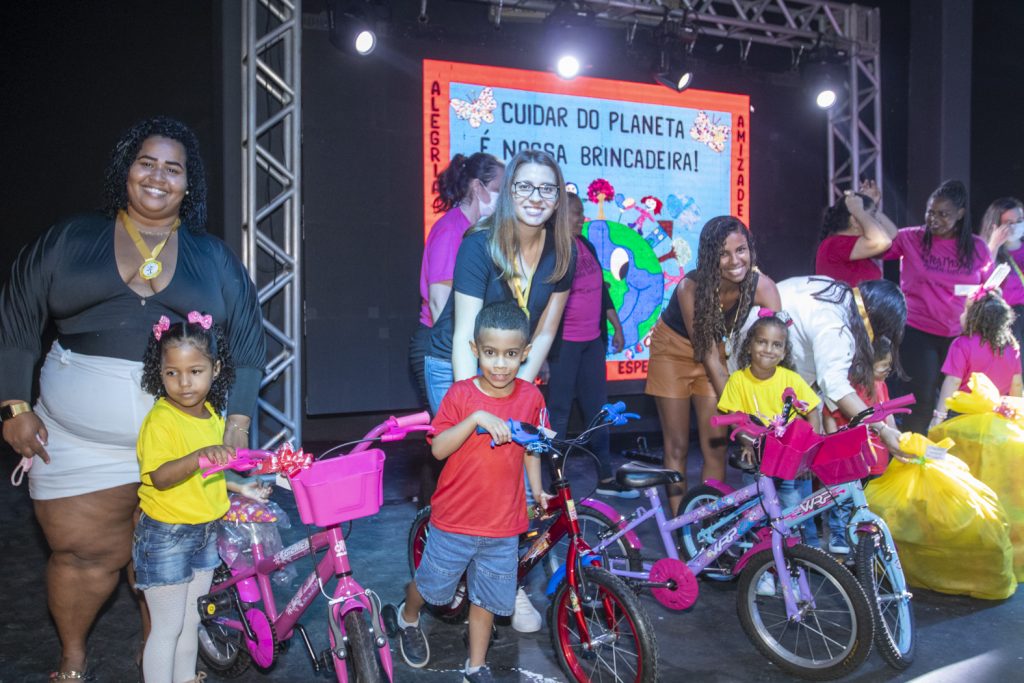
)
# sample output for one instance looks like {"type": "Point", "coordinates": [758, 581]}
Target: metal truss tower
{"type": "Point", "coordinates": [272, 209]}
{"type": "Point", "coordinates": [855, 122]}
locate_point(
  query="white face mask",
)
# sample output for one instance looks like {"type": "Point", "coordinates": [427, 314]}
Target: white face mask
{"type": "Point", "coordinates": [488, 208]}
{"type": "Point", "coordinates": [1017, 231]}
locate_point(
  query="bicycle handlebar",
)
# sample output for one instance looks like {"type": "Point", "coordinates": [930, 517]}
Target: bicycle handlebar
{"type": "Point", "coordinates": [422, 418]}
{"type": "Point", "coordinates": [729, 419]}
{"type": "Point", "coordinates": [880, 411]}
{"type": "Point", "coordinates": [245, 459]}
{"type": "Point", "coordinates": [614, 413]}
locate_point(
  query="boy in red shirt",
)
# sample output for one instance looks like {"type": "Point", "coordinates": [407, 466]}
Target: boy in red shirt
{"type": "Point", "coordinates": [479, 507]}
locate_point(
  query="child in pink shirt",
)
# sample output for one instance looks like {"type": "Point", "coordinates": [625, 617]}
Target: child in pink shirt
{"type": "Point", "coordinates": [987, 346]}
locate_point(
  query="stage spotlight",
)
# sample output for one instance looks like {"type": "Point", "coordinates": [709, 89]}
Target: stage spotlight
{"type": "Point", "coordinates": [826, 98]}
{"type": "Point", "coordinates": [675, 79]}
{"type": "Point", "coordinates": [568, 67]}
{"type": "Point", "coordinates": [349, 28]}
{"type": "Point", "coordinates": [822, 71]}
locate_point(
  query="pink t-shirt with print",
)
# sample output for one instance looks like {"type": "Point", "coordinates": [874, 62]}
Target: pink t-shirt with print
{"type": "Point", "coordinates": [929, 282]}
{"type": "Point", "coordinates": [971, 354]}
{"type": "Point", "coordinates": [581, 321]}
{"type": "Point", "coordinates": [439, 256]}
{"type": "Point", "coordinates": [1013, 288]}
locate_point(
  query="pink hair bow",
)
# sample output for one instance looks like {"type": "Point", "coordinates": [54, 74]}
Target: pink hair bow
{"type": "Point", "coordinates": [782, 316]}
{"type": "Point", "coordinates": [162, 325]}
{"type": "Point", "coordinates": [197, 318]}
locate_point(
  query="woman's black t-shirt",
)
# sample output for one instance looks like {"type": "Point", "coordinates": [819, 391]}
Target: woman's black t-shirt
{"type": "Point", "coordinates": [477, 276]}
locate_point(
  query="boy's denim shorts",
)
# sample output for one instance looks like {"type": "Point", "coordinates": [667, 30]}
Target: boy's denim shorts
{"type": "Point", "coordinates": [492, 565]}
{"type": "Point", "coordinates": [168, 554]}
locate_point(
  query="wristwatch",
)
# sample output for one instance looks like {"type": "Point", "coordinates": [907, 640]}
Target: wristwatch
{"type": "Point", "coordinates": [13, 410]}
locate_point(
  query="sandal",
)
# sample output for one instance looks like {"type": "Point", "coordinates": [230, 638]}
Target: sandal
{"type": "Point", "coordinates": [72, 676]}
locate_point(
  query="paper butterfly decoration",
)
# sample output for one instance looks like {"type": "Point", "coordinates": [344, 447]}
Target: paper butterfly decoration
{"type": "Point", "coordinates": [709, 131]}
{"type": "Point", "coordinates": [478, 111]}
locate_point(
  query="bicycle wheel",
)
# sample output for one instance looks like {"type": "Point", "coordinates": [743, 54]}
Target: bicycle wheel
{"type": "Point", "coordinates": [881, 575]}
{"type": "Point", "coordinates": [834, 634]}
{"type": "Point", "coordinates": [222, 649]}
{"type": "Point", "coordinates": [361, 662]}
{"type": "Point", "coordinates": [594, 527]}
{"type": "Point", "coordinates": [624, 648]}
{"type": "Point", "coordinates": [693, 538]}
{"type": "Point", "coordinates": [454, 612]}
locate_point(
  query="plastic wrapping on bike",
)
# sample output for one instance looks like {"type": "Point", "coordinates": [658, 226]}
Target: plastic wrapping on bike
{"type": "Point", "coordinates": [990, 440]}
{"type": "Point", "coordinates": [235, 538]}
{"type": "Point", "coordinates": [950, 529]}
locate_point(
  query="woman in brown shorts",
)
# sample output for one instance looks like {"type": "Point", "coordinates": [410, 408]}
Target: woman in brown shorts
{"type": "Point", "coordinates": [697, 332]}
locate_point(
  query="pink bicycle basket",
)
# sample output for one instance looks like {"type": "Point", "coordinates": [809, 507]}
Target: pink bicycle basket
{"type": "Point", "coordinates": [343, 488]}
{"type": "Point", "coordinates": [789, 455]}
{"type": "Point", "coordinates": [842, 458]}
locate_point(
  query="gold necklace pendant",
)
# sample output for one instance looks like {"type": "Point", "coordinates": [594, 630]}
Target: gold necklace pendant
{"type": "Point", "coordinates": [150, 267]}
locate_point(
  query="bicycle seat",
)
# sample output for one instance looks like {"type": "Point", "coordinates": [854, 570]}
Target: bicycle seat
{"type": "Point", "coordinates": [634, 476]}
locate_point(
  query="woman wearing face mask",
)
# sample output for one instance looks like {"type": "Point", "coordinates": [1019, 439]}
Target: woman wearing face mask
{"type": "Point", "coordinates": [467, 191]}
{"type": "Point", "coordinates": [1002, 227]}
{"type": "Point", "coordinates": [934, 259]}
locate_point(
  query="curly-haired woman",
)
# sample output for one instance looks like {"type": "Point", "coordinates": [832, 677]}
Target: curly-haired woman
{"type": "Point", "coordinates": [102, 278]}
{"type": "Point", "coordinates": [696, 334]}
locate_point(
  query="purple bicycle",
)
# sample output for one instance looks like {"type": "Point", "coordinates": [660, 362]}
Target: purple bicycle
{"type": "Point", "coordinates": [241, 623]}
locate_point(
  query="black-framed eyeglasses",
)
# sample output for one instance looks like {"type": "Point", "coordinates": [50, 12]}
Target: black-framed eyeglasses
{"type": "Point", "coordinates": [525, 190]}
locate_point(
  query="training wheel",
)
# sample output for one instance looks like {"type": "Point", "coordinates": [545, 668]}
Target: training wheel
{"type": "Point", "coordinates": [686, 590]}
{"type": "Point", "coordinates": [262, 649]}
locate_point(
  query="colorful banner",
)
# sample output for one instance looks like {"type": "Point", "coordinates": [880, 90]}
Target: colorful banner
{"type": "Point", "coordinates": [651, 165]}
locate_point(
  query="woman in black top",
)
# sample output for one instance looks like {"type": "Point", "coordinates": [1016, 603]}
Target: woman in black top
{"type": "Point", "coordinates": [697, 332]}
{"type": "Point", "coordinates": [523, 253]}
{"type": "Point", "coordinates": [104, 280]}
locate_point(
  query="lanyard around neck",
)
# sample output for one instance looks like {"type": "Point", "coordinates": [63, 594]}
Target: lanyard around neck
{"type": "Point", "coordinates": [150, 267]}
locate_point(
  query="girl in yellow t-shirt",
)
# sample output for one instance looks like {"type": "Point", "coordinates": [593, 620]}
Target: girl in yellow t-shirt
{"type": "Point", "coordinates": [757, 389]}
{"type": "Point", "coordinates": [188, 367]}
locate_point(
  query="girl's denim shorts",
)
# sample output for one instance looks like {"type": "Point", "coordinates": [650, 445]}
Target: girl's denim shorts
{"type": "Point", "coordinates": [168, 554]}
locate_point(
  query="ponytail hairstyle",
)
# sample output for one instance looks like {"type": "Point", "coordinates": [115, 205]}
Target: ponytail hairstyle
{"type": "Point", "coordinates": [453, 183]}
{"type": "Point", "coordinates": [780, 320]}
{"type": "Point", "coordinates": [501, 226]}
{"type": "Point", "coordinates": [203, 334]}
{"type": "Point", "coordinates": [956, 193]}
{"type": "Point", "coordinates": [991, 318]}
{"type": "Point", "coordinates": [709, 325]}
{"type": "Point", "coordinates": [990, 221]}
{"type": "Point", "coordinates": [887, 312]}
{"type": "Point", "coordinates": [837, 217]}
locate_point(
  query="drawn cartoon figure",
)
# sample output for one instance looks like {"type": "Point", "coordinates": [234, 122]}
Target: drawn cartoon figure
{"type": "Point", "coordinates": [598, 191]}
{"type": "Point", "coordinates": [478, 111]}
{"type": "Point", "coordinates": [709, 131]}
{"type": "Point", "coordinates": [648, 208]}
{"type": "Point", "coordinates": [634, 276]}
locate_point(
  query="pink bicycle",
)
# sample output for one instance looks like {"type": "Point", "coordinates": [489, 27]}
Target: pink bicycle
{"type": "Point", "coordinates": [241, 623]}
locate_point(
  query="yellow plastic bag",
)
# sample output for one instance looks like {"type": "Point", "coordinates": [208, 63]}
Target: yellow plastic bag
{"type": "Point", "coordinates": [951, 532]}
{"type": "Point", "coordinates": [989, 439]}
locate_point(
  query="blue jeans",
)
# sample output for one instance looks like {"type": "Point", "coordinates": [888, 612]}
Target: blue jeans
{"type": "Point", "coordinates": [791, 492]}
{"type": "Point", "coordinates": [838, 518]}
{"type": "Point", "coordinates": [491, 564]}
{"type": "Point", "coordinates": [437, 375]}
{"type": "Point", "coordinates": [168, 554]}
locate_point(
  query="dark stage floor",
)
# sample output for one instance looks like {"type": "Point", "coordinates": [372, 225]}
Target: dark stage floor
{"type": "Point", "coordinates": [959, 639]}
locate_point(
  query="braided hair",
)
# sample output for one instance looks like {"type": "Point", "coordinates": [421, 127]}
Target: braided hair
{"type": "Point", "coordinates": [709, 325]}
{"type": "Point", "coordinates": [210, 342]}
{"type": "Point", "coordinates": [956, 193]}
{"type": "Point", "coordinates": [115, 183]}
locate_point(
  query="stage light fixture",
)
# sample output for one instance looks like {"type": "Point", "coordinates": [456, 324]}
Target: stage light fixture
{"type": "Point", "coordinates": [568, 67]}
{"type": "Point", "coordinates": [349, 28]}
{"type": "Point", "coordinates": [675, 42]}
{"type": "Point", "coordinates": [675, 79]}
{"type": "Point", "coordinates": [821, 70]}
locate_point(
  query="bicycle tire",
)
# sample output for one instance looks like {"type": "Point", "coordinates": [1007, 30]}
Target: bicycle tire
{"type": "Point", "coordinates": [361, 663]}
{"type": "Point", "coordinates": [840, 607]}
{"type": "Point", "coordinates": [457, 610]}
{"type": "Point", "coordinates": [629, 647]}
{"type": "Point", "coordinates": [222, 649]}
{"type": "Point", "coordinates": [594, 525]}
{"type": "Point", "coordinates": [691, 544]}
{"type": "Point", "coordinates": [892, 612]}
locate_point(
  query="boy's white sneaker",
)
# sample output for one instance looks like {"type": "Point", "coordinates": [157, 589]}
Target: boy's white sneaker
{"type": "Point", "coordinates": [526, 618]}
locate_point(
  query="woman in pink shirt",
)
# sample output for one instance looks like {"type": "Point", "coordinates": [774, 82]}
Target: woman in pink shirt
{"type": "Point", "coordinates": [466, 191]}
{"type": "Point", "coordinates": [1002, 227]}
{"type": "Point", "coordinates": [934, 259]}
{"type": "Point", "coordinates": [854, 235]}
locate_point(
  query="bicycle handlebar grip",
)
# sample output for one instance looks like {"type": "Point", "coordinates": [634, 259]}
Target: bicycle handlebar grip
{"type": "Point", "coordinates": [421, 418]}
{"type": "Point", "coordinates": [614, 408]}
{"type": "Point", "coordinates": [730, 419]}
{"type": "Point", "coordinates": [898, 402]}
